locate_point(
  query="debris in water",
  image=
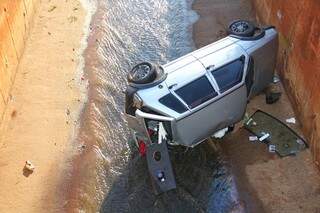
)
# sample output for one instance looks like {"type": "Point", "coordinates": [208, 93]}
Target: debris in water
{"type": "Point", "coordinates": [264, 136]}
{"type": "Point", "coordinates": [276, 79]}
{"type": "Point", "coordinates": [291, 120]}
{"type": "Point", "coordinates": [68, 111]}
{"type": "Point", "coordinates": [299, 141]}
{"type": "Point", "coordinates": [253, 138]}
{"type": "Point", "coordinates": [248, 121]}
{"type": "Point", "coordinates": [272, 148]}
{"type": "Point", "coordinates": [221, 133]}
{"type": "Point", "coordinates": [29, 166]}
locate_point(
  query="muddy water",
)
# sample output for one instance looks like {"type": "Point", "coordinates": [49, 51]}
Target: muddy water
{"type": "Point", "coordinates": [109, 175]}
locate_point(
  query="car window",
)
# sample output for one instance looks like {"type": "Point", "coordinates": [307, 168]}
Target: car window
{"type": "Point", "coordinates": [173, 103]}
{"type": "Point", "coordinates": [197, 92]}
{"type": "Point", "coordinates": [229, 75]}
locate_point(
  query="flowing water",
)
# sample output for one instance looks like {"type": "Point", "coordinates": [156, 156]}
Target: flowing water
{"type": "Point", "coordinates": [112, 177]}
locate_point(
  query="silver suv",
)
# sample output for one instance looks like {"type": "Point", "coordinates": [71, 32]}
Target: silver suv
{"type": "Point", "coordinates": [187, 100]}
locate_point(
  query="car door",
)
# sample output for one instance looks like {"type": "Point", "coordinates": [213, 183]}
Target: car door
{"type": "Point", "coordinates": [217, 99]}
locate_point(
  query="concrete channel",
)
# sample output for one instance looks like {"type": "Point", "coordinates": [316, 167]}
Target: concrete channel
{"type": "Point", "coordinates": [105, 173]}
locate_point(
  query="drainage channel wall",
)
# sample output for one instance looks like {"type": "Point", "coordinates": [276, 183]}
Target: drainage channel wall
{"type": "Point", "coordinates": [298, 23]}
{"type": "Point", "coordinates": [15, 20]}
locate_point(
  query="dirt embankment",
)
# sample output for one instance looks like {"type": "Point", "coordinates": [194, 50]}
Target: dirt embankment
{"type": "Point", "coordinates": [42, 109]}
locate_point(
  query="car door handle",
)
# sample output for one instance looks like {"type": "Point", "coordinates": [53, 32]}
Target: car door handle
{"type": "Point", "coordinates": [171, 86]}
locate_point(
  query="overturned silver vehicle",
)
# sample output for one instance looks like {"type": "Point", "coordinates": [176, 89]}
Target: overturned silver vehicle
{"type": "Point", "coordinates": [187, 100]}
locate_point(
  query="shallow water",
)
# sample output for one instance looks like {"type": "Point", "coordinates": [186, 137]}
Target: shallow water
{"type": "Point", "coordinates": [116, 178]}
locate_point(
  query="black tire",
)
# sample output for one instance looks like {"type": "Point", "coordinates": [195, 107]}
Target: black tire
{"type": "Point", "coordinates": [241, 28]}
{"type": "Point", "coordinates": [142, 73]}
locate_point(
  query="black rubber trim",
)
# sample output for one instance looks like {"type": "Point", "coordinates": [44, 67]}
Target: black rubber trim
{"type": "Point", "coordinates": [242, 58]}
{"type": "Point", "coordinates": [252, 38]}
{"type": "Point", "coordinates": [249, 78]}
{"type": "Point", "coordinates": [268, 27]}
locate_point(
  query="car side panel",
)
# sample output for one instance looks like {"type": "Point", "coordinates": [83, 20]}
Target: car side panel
{"type": "Point", "coordinates": [264, 53]}
{"type": "Point", "coordinates": [226, 111]}
{"type": "Point", "coordinates": [264, 59]}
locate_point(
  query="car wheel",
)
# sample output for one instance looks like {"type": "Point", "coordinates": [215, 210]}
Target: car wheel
{"type": "Point", "coordinates": [241, 28]}
{"type": "Point", "coordinates": [142, 73]}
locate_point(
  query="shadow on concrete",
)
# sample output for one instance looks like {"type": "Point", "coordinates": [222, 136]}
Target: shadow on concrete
{"type": "Point", "coordinates": [241, 153]}
{"type": "Point", "coordinates": [26, 172]}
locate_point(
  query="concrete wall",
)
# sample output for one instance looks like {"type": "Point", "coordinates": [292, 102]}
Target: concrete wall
{"type": "Point", "coordinates": [15, 20]}
{"type": "Point", "coordinates": [299, 58]}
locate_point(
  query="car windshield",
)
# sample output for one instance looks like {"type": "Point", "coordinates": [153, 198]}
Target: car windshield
{"type": "Point", "coordinates": [197, 92]}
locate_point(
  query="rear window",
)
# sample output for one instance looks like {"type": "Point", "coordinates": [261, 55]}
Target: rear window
{"type": "Point", "coordinates": [197, 92]}
{"type": "Point", "coordinates": [173, 103]}
{"type": "Point", "coordinates": [229, 75]}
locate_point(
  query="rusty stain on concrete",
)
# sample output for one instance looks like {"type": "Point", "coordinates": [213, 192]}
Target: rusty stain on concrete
{"type": "Point", "coordinates": [298, 59]}
{"type": "Point", "coordinates": [15, 20]}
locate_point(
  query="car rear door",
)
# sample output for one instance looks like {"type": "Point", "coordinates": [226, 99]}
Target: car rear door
{"type": "Point", "coordinates": [227, 68]}
{"type": "Point", "coordinates": [217, 99]}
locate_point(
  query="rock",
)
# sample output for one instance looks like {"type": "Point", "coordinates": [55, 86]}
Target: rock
{"type": "Point", "coordinates": [29, 166]}
{"type": "Point", "coordinates": [272, 97]}
{"type": "Point", "coordinates": [52, 8]}
{"type": "Point", "coordinates": [291, 120]}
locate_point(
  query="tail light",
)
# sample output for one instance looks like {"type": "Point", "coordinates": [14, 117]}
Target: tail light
{"type": "Point", "coordinates": [142, 148]}
{"type": "Point", "coordinates": [142, 144]}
